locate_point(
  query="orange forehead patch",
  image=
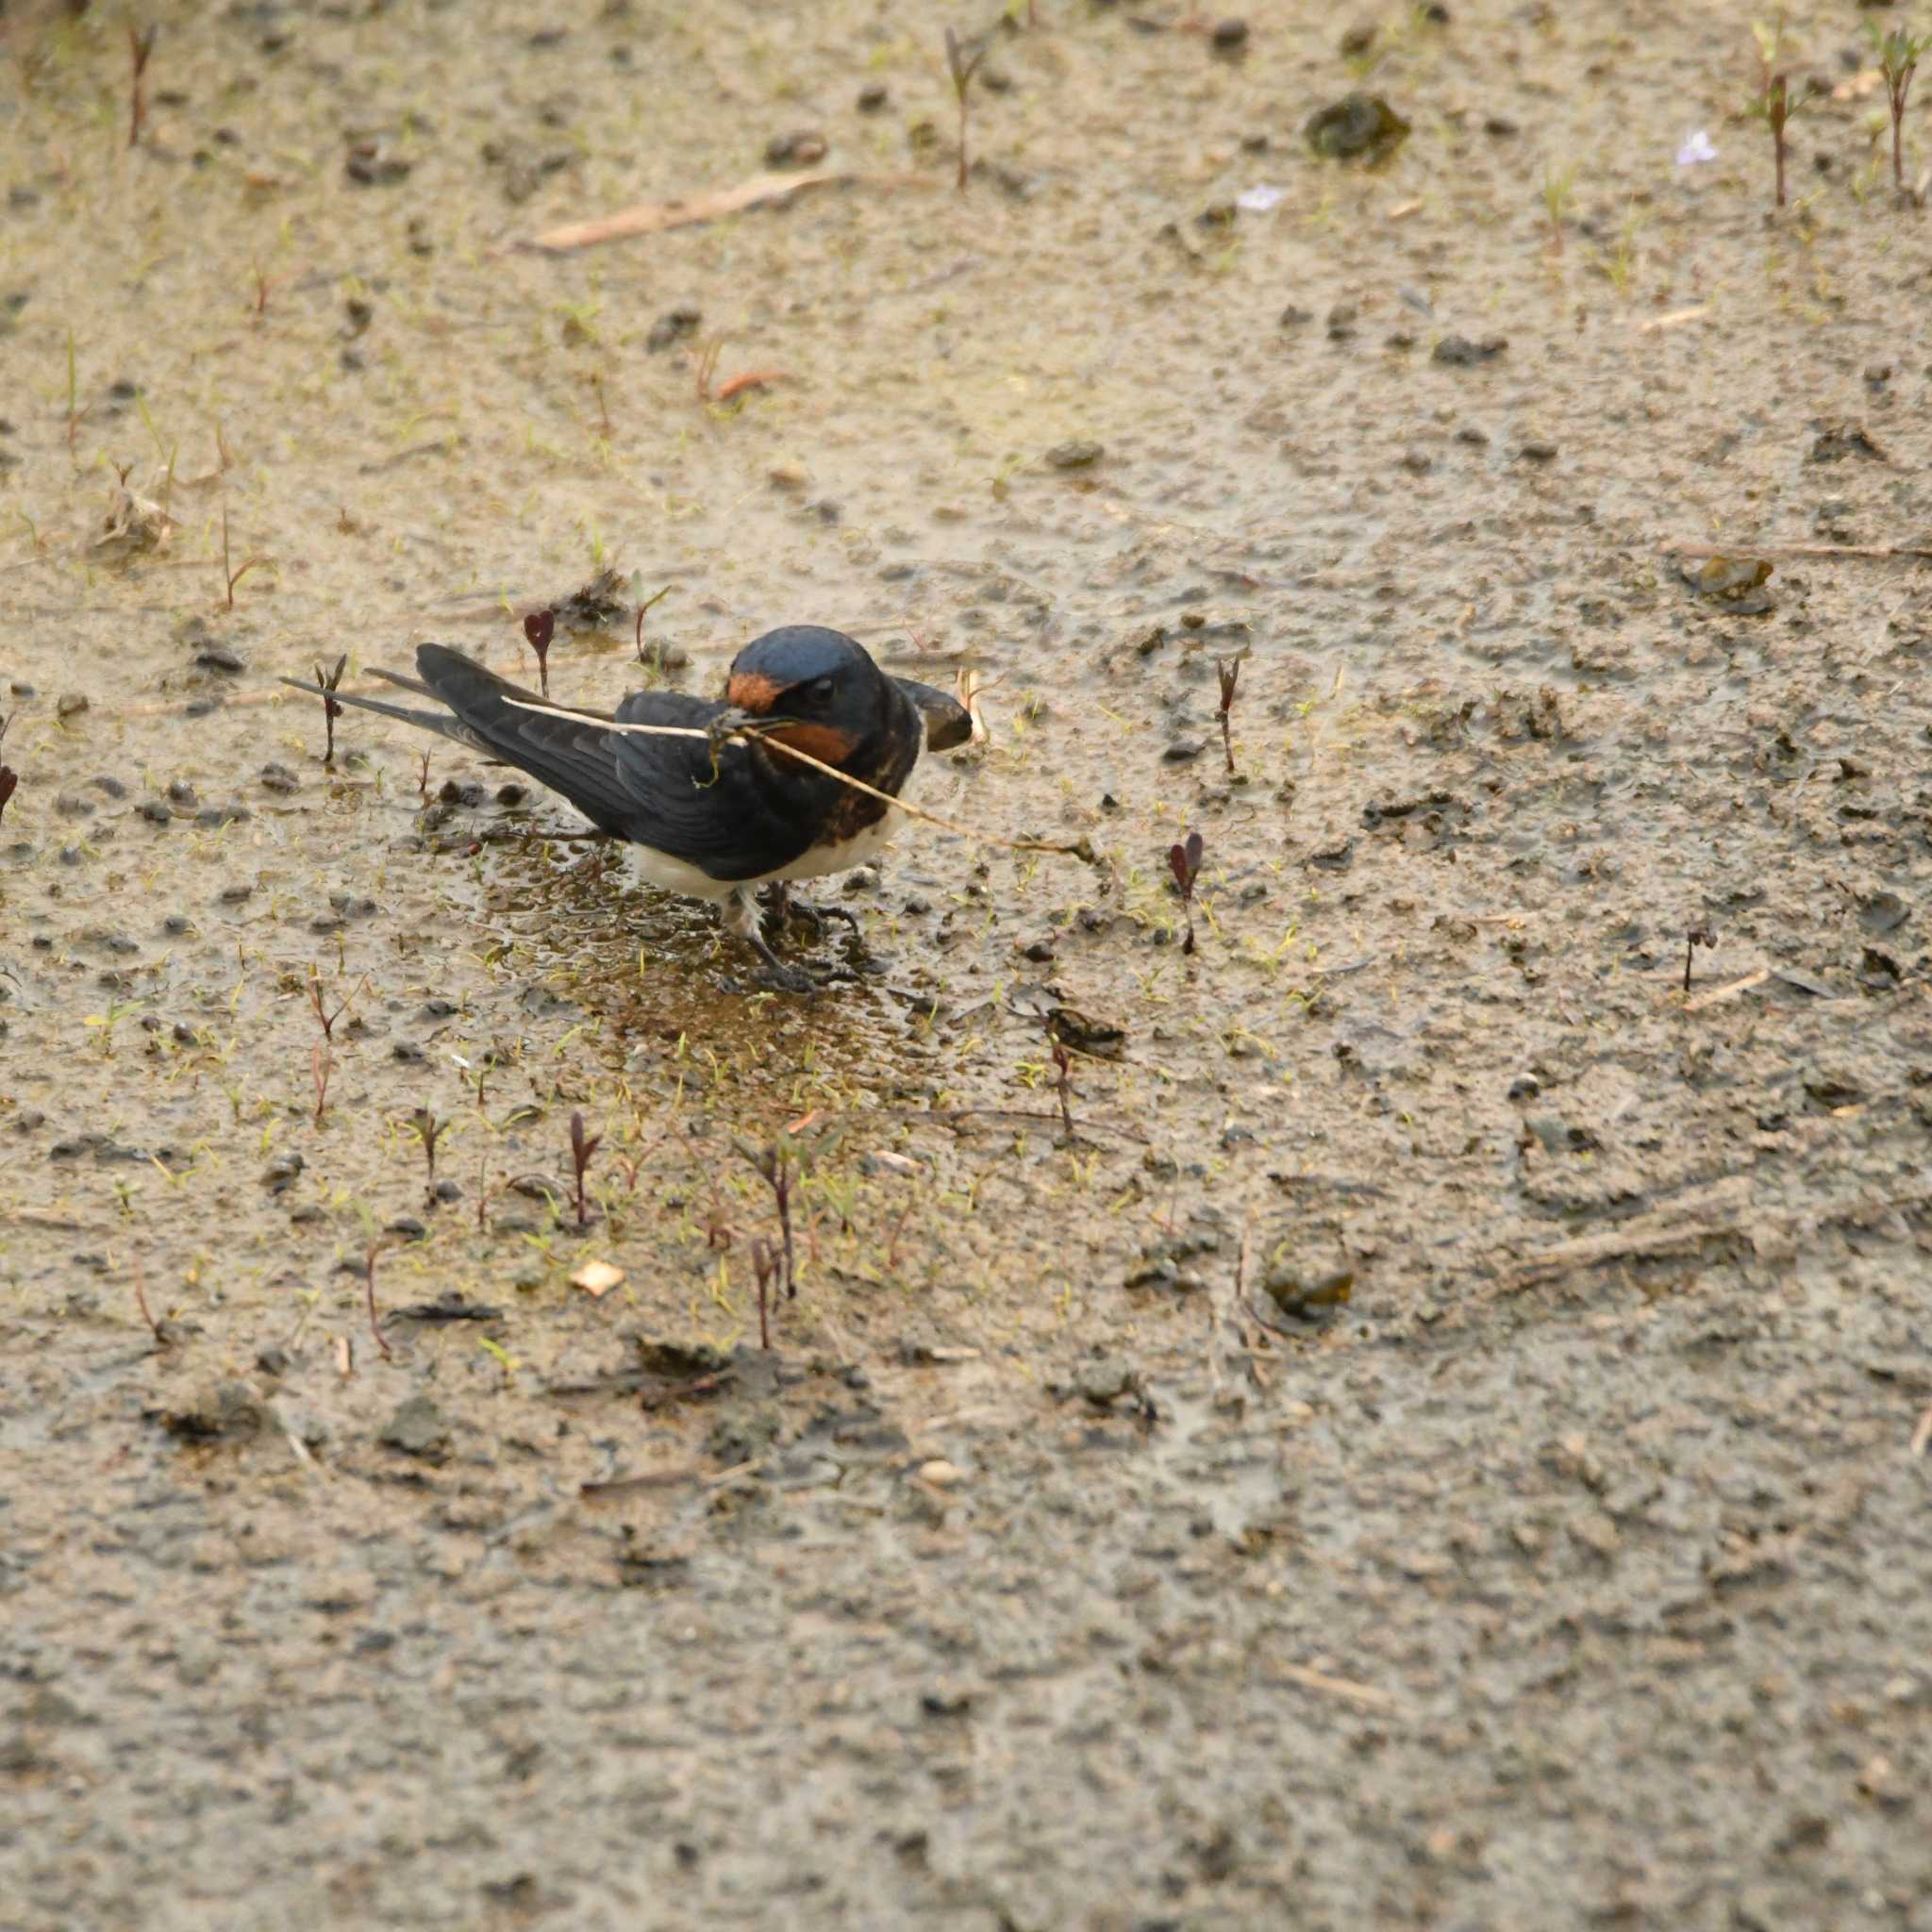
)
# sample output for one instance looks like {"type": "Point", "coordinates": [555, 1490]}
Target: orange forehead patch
{"type": "Point", "coordinates": [821, 741]}
{"type": "Point", "coordinates": [750, 692]}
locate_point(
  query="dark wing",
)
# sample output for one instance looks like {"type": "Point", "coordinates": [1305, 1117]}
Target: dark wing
{"type": "Point", "coordinates": [638, 788]}
{"type": "Point", "coordinates": [736, 822]}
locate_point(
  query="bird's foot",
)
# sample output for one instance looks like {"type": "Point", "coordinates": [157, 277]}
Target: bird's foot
{"type": "Point", "coordinates": [781, 975]}
{"type": "Point", "coordinates": [816, 917]}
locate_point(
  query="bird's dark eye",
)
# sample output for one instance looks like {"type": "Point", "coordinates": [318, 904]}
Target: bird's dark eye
{"type": "Point", "coordinates": [820, 690]}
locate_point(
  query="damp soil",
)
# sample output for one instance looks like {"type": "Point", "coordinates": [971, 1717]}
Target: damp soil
{"type": "Point", "coordinates": [1434, 1446]}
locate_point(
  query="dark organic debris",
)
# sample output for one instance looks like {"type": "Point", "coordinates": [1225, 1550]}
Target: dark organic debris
{"type": "Point", "coordinates": [672, 326]}
{"type": "Point", "coordinates": [371, 165]}
{"type": "Point", "coordinates": [1359, 126]}
{"type": "Point", "coordinates": [1308, 1294]}
{"type": "Point", "coordinates": [10, 778]}
{"type": "Point", "coordinates": [1458, 352]}
{"type": "Point", "coordinates": [418, 1429]}
{"type": "Point", "coordinates": [1099, 1039]}
{"type": "Point", "coordinates": [1837, 440]}
{"type": "Point", "coordinates": [1734, 582]}
{"type": "Point", "coordinates": [805, 148]}
{"type": "Point", "coordinates": [451, 1306]}
{"type": "Point", "coordinates": [598, 604]}
{"type": "Point", "coordinates": [228, 1413]}
{"type": "Point", "coordinates": [1077, 454]}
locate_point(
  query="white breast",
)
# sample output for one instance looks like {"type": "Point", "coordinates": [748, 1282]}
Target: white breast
{"type": "Point", "coordinates": [669, 875]}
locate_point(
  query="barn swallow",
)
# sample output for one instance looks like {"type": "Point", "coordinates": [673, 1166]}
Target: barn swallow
{"type": "Point", "coordinates": [713, 825]}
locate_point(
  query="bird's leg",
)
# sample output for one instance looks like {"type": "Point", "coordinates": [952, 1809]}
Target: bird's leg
{"type": "Point", "coordinates": [817, 917]}
{"type": "Point", "coordinates": [742, 920]}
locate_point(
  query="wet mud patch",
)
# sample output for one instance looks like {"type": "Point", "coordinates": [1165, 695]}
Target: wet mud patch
{"type": "Point", "coordinates": [1366, 1421]}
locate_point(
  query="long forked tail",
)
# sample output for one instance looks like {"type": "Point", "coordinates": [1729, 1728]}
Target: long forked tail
{"type": "Point", "coordinates": [441, 722]}
{"type": "Point", "coordinates": [574, 756]}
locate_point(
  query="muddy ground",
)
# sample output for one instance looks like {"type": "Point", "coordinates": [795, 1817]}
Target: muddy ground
{"type": "Point", "coordinates": [1076, 1557]}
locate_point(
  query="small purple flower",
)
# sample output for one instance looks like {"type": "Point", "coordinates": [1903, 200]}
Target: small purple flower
{"type": "Point", "coordinates": [1696, 148]}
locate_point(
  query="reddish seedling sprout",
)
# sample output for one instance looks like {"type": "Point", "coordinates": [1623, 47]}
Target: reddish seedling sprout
{"type": "Point", "coordinates": [1775, 102]}
{"type": "Point", "coordinates": [10, 778]}
{"type": "Point", "coordinates": [428, 1129]}
{"type": "Point", "coordinates": [140, 47]}
{"type": "Point", "coordinates": [1229, 669]}
{"type": "Point", "coordinates": [1899, 53]}
{"type": "Point", "coordinates": [1697, 936]}
{"type": "Point", "coordinates": [962, 67]}
{"type": "Point", "coordinates": [582, 1145]}
{"type": "Point", "coordinates": [1185, 861]}
{"type": "Point", "coordinates": [767, 1265]}
{"type": "Point", "coordinates": [230, 577]}
{"type": "Point", "coordinates": [775, 1166]}
{"type": "Point", "coordinates": [330, 681]}
{"type": "Point", "coordinates": [369, 1256]}
{"type": "Point", "coordinates": [322, 1063]}
{"type": "Point", "coordinates": [644, 609]}
{"type": "Point", "coordinates": [540, 626]}
{"type": "Point", "coordinates": [1063, 1079]}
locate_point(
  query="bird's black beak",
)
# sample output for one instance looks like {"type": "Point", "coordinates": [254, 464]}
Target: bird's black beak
{"type": "Point", "coordinates": [736, 718]}
{"type": "Point", "coordinates": [948, 724]}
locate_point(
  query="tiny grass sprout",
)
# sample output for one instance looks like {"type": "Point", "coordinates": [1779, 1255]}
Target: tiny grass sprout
{"type": "Point", "coordinates": [232, 576]}
{"type": "Point", "coordinates": [106, 1021]}
{"type": "Point", "coordinates": [1559, 183]}
{"type": "Point", "coordinates": [1697, 936]}
{"type": "Point", "coordinates": [1228, 671]}
{"type": "Point", "coordinates": [962, 67]}
{"type": "Point", "coordinates": [1899, 53]}
{"type": "Point", "coordinates": [140, 47]}
{"type": "Point", "coordinates": [1184, 859]}
{"type": "Point", "coordinates": [707, 367]}
{"type": "Point", "coordinates": [423, 780]}
{"type": "Point", "coordinates": [329, 682]}
{"type": "Point", "coordinates": [582, 1146]}
{"type": "Point", "coordinates": [540, 626]}
{"type": "Point", "coordinates": [76, 414]}
{"type": "Point", "coordinates": [428, 1129]}
{"type": "Point", "coordinates": [322, 1063]}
